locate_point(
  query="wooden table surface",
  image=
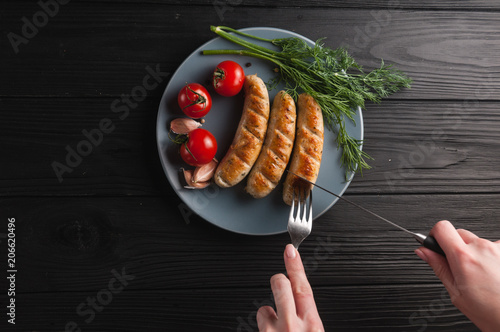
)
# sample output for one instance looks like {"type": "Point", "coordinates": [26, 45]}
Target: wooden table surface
{"type": "Point", "coordinates": [106, 246]}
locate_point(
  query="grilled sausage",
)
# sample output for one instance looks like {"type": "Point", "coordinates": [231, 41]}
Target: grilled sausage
{"type": "Point", "coordinates": [249, 136]}
{"type": "Point", "coordinates": [308, 147]}
{"type": "Point", "coordinates": [275, 154]}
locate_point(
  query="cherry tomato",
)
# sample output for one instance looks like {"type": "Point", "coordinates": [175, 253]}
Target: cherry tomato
{"type": "Point", "coordinates": [228, 78]}
{"type": "Point", "coordinates": [194, 100]}
{"type": "Point", "coordinates": [200, 148]}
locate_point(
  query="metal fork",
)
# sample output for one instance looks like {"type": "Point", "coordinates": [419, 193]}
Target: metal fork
{"type": "Point", "coordinates": [299, 227]}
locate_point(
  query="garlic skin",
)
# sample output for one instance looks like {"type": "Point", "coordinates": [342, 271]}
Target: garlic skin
{"type": "Point", "coordinates": [190, 184]}
{"type": "Point", "coordinates": [205, 172]}
{"type": "Point", "coordinates": [188, 175]}
{"type": "Point", "coordinates": [198, 185]}
{"type": "Point", "coordinates": [183, 125]}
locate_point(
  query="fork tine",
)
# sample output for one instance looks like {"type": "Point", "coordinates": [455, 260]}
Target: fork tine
{"type": "Point", "coordinates": [310, 205]}
{"type": "Point", "coordinates": [299, 204]}
{"type": "Point", "coordinates": [303, 199]}
{"type": "Point", "coordinates": [300, 224]}
{"type": "Point", "coordinates": [292, 208]}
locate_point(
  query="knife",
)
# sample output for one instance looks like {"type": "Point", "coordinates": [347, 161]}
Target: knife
{"type": "Point", "coordinates": [427, 241]}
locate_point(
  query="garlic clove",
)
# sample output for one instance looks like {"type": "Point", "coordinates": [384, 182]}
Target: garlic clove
{"type": "Point", "coordinates": [183, 125]}
{"type": "Point", "coordinates": [188, 175]}
{"type": "Point", "coordinates": [205, 172]}
{"type": "Point", "coordinates": [197, 185]}
{"type": "Point", "coordinates": [190, 184]}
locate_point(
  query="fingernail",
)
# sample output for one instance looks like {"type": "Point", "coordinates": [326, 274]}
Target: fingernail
{"type": "Point", "coordinates": [290, 251]}
{"type": "Point", "coordinates": [421, 254]}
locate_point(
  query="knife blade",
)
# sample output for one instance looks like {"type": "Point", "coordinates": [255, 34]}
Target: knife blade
{"type": "Point", "coordinates": [427, 241]}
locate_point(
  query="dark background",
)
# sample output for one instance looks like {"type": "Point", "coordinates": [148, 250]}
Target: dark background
{"type": "Point", "coordinates": [435, 148]}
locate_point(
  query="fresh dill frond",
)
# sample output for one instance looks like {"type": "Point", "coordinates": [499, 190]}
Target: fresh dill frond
{"type": "Point", "coordinates": [331, 76]}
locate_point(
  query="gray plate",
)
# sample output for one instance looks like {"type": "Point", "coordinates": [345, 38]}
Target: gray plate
{"type": "Point", "coordinates": [233, 209]}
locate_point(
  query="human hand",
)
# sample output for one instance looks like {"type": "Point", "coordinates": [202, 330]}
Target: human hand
{"type": "Point", "coordinates": [470, 272]}
{"type": "Point", "coordinates": [295, 307]}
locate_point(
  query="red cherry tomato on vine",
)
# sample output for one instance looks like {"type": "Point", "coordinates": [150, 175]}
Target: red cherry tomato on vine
{"type": "Point", "coordinates": [200, 147]}
{"type": "Point", "coordinates": [194, 100]}
{"type": "Point", "coordinates": [228, 78]}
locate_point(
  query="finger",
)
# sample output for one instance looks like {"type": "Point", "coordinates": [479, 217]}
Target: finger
{"type": "Point", "coordinates": [302, 292]}
{"type": "Point", "coordinates": [283, 296]}
{"type": "Point", "coordinates": [441, 268]}
{"type": "Point", "coordinates": [447, 236]}
{"type": "Point", "coordinates": [266, 318]}
{"type": "Point", "coordinates": [467, 236]}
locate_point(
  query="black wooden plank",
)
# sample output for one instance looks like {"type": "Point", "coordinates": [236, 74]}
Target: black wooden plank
{"type": "Point", "coordinates": [365, 308]}
{"type": "Point", "coordinates": [430, 147]}
{"type": "Point", "coordinates": [418, 147]}
{"type": "Point", "coordinates": [228, 6]}
{"type": "Point", "coordinates": [102, 50]}
{"type": "Point", "coordinates": [68, 244]}
{"type": "Point", "coordinates": [40, 134]}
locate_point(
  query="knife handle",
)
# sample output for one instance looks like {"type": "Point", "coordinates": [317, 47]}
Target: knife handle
{"type": "Point", "coordinates": [431, 243]}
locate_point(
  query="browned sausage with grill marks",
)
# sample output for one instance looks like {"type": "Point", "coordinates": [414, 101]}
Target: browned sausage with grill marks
{"type": "Point", "coordinates": [308, 146]}
{"type": "Point", "coordinates": [275, 154]}
{"type": "Point", "coordinates": [249, 136]}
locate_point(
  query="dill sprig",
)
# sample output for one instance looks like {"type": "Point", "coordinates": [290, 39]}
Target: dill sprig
{"type": "Point", "coordinates": [331, 76]}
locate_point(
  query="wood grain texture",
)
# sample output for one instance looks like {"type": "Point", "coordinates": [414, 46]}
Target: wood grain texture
{"type": "Point", "coordinates": [434, 148]}
{"type": "Point", "coordinates": [81, 51]}
{"type": "Point", "coordinates": [230, 5]}
{"type": "Point", "coordinates": [69, 247]}
{"type": "Point", "coordinates": [417, 146]}
{"type": "Point", "coordinates": [348, 308]}
{"type": "Point", "coordinates": [67, 244]}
